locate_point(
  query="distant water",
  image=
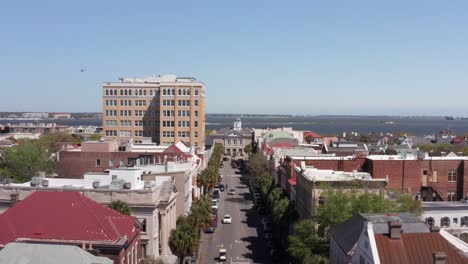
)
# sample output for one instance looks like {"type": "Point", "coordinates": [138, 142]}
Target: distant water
{"type": "Point", "coordinates": [326, 125]}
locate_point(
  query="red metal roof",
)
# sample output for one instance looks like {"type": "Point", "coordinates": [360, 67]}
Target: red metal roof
{"type": "Point", "coordinates": [68, 216]}
{"type": "Point", "coordinates": [415, 248]}
{"type": "Point", "coordinates": [310, 133]}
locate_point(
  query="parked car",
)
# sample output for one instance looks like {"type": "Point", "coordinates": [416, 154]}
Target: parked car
{"type": "Point", "coordinates": [221, 187]}
{"type": "Point", "coordinates": [227, 219]}
{"type": "Point", "coordinates": [210, 230]}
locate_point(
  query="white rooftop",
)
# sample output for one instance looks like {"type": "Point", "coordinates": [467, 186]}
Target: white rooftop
{"type": "Point", "coordinates": [113, 180]}
{"type": "Point", "coordinates": [165, 78]}
{"type": "Point", "coordinates": [314, 174]}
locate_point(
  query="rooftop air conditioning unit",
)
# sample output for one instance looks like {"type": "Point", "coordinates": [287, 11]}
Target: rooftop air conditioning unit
{"type": "Point", "coordinates": [45, 183]}
{"type": "Point", "coordinates": [128, 185]}
{"type": "Point", "coordinates": [96, 184]}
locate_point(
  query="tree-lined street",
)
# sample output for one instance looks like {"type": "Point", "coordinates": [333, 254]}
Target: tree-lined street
{"type": "Point", "coordinates": [243, 238]}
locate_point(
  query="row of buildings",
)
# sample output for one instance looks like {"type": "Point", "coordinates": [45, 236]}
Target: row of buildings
{"type": "Point", "coordinates": [149, 155]}
{"type": "Point", "coordinates": [157, 182]}
{"type": "Point", "coordinates": [305, 168]}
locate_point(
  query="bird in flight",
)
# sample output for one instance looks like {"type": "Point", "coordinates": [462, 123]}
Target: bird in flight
{"type": "Point", "coordinates": [82, 70]}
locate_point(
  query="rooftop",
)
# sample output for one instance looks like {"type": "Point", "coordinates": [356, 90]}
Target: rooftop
{"type": "Point", "coordinates": [314, 174]}
{"type": "Point", "coordinates": [165, 78]}
{"type": "Point", "coordinates": [444, 206]}
{"type": "Point", "coordinates": [24, 253]}
{"type": "Point", "coordinates": [64, 216]}
{"type": "Point", "coordinates": [415, 248]}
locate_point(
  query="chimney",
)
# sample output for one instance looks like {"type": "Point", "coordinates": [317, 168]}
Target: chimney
{"type": "Point", "coordinates": [394, 229]}
{"type": "Point", "coordinates": [439, 257]}
{"type": "Point", "coordinates": [435, 229]}
{"type": "Point", "coordinates": [14, 198]}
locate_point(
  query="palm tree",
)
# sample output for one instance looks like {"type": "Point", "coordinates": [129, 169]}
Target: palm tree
{"type": "Point", "coordinates": [184, 239]}
{"type": "Point", "coordinates": [121, 207]}
{"type": "Point", "coordinates": [200, 216]}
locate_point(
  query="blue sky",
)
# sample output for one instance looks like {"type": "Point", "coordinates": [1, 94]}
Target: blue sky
{"type": "Point", "coordinates": [327, 57]}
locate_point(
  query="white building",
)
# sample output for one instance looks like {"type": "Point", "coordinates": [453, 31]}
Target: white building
{"type": "Point", "coordinates": [450, 216]}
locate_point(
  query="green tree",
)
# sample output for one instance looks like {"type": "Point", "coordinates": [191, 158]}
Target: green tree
{"type": "Point", "coordinates": [309, 139]}
{"type": "Point", "coordinates": [365, 139]}
{"type": "Point", "coordinates": [183, 240]}
{"type": "Point", "coordinates": [95, 137]}
{"type": "Point", "coordinates": [265, 180]}
{"type": "Point", "coordinates": [50, 141]}
{"type": "Point", "coordinates": [390, 151]}
{"type": "Point", "coordinates": [121, 207]}
{"type": "Point", "coordinates": [280, 209]}
{"type": "Point", "coordinates": [274, 196]}
{"type": "Point", "coordinates": [248, 149]}
{"type": "Point", "coordinates": [340, 205]}
{"type": "Point", "coordinates": [25, 160]}
{"type": "Point", "coordinates": [306, 246]}
{"type": "Point", "coordinates": [258, 164]}
{"type": "Point", "coordinates": [200, 213]}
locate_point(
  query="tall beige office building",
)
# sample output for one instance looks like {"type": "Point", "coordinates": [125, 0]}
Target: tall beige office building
{"type": "Point", "coordinates": [165, 108]}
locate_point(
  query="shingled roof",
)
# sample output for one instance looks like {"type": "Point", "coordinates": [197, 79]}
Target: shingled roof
{"type": "Point", "coordinates": [65, 216]}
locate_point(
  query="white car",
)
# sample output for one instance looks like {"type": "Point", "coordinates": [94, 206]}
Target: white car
{"type": "Point", "coordinates": [227, 219]}
{"type": "Point", "coordinates": [214, 206]}
{"type": "Point", "coordinates": [232, 192]}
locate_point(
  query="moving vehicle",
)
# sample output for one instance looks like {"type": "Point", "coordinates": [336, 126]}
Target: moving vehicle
{"type": "Point", "coordinates": [232, 192]}
{"type": "Point", "coordinates": [227, 219]}
{"type": "Point", "coordinates": [222, 254]}
{"type": "Point", "coordinates": [221, 187]}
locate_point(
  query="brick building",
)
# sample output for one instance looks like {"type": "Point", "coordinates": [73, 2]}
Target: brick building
{"type": "Point", "coordinates": [429, 178]}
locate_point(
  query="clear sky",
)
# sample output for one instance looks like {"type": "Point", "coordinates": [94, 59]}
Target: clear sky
{"type": "Point", "coordinates": [310, 57]}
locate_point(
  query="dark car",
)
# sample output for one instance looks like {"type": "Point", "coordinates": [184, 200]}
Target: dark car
{"type": "Point", "coordinates": [225, 159]}
{"type": "Point", "coordinates": [210, 229]}
{"type": "Point", "coordinates": [221, 187]}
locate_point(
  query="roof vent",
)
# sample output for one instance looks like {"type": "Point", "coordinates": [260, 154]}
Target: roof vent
{"type": "Point", "coordinates": [128, 185]}
{"type": "Point", "coordinates": [45, 183]}
{"type": "Point", "coordinates": [35, 181]}
{"type": "Point", "coordinates": [95, 184]}
{"type": "Point", "coordinates": [435, 229]}
{"type": "Point", "coordinates": [439, 257]}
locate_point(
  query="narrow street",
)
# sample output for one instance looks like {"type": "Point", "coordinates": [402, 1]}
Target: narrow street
{"type": "Point", "coordinates": [242, 238]}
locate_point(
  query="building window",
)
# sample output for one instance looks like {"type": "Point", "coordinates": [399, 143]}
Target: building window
{"type": "Point", "coordinates": [452, 176]}
{"type": "Point", "coordinates": [425, 172]}
{"type": "Point", "coordinates": [196, 113]}
{"type": "Point", "coordinates": [362, 260]}
{"type": "Point", "coordinates": [196, 92]}
{"type": "Point", "coordinates": [196, 123]}
{"type": "Point", "coordinates": [464, 221]}
{"type": "Point", "coordinates": [196, 133]}
{"type": "Point", "coordinates": [111, 163]}
{"type": "Point", "coordinates": [445, 222]}
{"type": "Point", "coordinates": [429, 221]}
{"type": "Point", "coordinates": [451, 197]}
{"type": "Point", "coordinates": [455, 220]}
{"type": "Point", "coordinates": [196, 102]}
{"type": "Point", "coordinates": [122, 163]}
{"type": "Point", "coordinates": [143, 250]}
{"type": "Point", "coordinates": [98, 162]}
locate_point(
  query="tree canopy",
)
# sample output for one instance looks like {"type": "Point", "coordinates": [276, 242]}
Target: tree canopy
{"type": "Point", "coordinates": [121, 207]}
{"type": "Point", "coordinates": [306, 246]}
{"type": "Point", "coordinates": [25, 160]}
{"type": "Point", "coordinates": [183, 240]}
{"type": "Point", "coordinates": [340, 205]}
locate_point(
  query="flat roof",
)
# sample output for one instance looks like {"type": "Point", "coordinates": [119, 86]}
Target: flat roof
{"type": "Point", "coordinates": [445, 206]}
{"type": "Point", "coordinates": [314, 174]}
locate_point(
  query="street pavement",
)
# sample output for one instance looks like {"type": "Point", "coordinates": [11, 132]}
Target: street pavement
{"type": "Point", "coordinates": [243, 238]}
